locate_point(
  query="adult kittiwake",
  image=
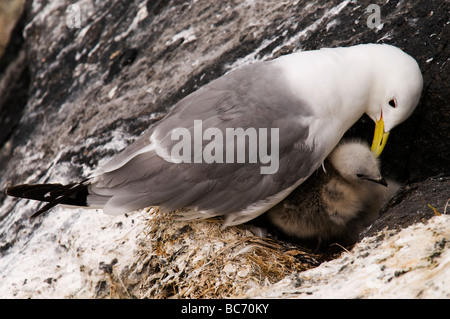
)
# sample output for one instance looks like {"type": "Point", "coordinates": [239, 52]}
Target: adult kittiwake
{"type": "Point", "coordinates": [240, 144]}
{"type": "Point", "coordinates": [335, 203]}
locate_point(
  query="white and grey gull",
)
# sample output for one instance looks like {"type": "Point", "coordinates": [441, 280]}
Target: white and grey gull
{"type": "Point", "coordinates": [312, 98]}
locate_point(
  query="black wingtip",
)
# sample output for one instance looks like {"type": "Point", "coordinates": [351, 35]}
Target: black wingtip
{"type": "Point", "coordinates": [73, 194]}
{"type": "Point", "coordinates": [15, 191]}
{"type": "Point", "coordinates": [42, 210]}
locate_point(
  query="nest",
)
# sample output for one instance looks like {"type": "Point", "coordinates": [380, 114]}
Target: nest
{"type": "Point", "coordinates": [198, 259]}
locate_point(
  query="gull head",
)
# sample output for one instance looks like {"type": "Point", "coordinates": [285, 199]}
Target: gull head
{"type": "Point", "coordinates": [396, 91]}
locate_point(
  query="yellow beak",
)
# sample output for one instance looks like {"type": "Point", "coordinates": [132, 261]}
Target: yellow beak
{"type": "Point", "coordinates": [379, 138]}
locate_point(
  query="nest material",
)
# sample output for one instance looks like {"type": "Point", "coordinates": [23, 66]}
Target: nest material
{"type": "Point", "coordinates": [198, 259]}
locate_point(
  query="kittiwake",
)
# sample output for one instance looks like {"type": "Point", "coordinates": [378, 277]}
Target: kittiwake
{"type": "Point", "coordinates": [297, 106]}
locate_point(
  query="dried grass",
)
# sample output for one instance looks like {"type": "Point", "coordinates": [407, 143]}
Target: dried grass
{"type": "Point", "coordinates": [198, 259]}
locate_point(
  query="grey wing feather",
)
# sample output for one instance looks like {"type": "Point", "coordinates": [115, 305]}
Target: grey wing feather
{"type": "Point", "coordinates": [253, 96]}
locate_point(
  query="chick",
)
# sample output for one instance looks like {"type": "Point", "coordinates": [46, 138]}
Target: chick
{"type": "Point", "coordinates": [336, 203]}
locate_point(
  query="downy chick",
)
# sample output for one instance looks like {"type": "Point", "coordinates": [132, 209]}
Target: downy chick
{"type": "Point", "coordinates": [335, 204]}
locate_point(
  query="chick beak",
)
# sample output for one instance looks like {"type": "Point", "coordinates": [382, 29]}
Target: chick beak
{"type": "Point", "coordinates": [380, 181]}
{"type": "Point", "coordinates": [379, 138]}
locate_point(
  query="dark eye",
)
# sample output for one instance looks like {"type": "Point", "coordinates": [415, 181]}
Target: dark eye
{"type": "Point", "coordinates": [360, 175]}
{"type": "Point", "coordinates": [393, 103]}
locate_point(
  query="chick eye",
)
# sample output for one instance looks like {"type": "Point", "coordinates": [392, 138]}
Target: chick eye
{"type": "Point", "coordinates": [393, 103]}
{"type": "Point", "coordinates": [360, 175]}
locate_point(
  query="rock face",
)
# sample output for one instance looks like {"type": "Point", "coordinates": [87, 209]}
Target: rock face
{"type": "Point", "coordinates": [80, 82]}
{"type": "Point", "coordinates": [413, 263]}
